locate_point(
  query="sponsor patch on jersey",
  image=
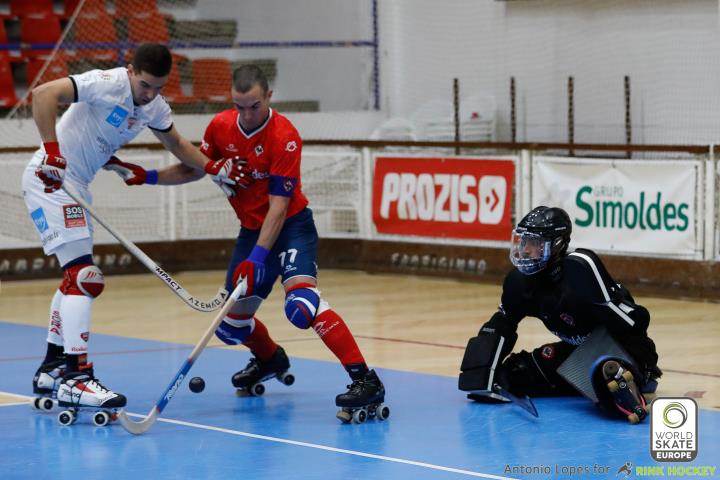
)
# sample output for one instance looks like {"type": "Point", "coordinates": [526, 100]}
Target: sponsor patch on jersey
{"type": "Point", "coordinates": [117, 116]}
{"type": "Point", "coordinates": [291, 146]}
{"type": "Point", "coordinates": [567, 319]}
{"type": "Point", "coordinates": [38, 216]}
{"type": "Point", "coordinates": [548, 352]}
{"type": "Point", "coordinates": [74, 216]}
{"type": "Point", "coordinates": [231, 148]}
{"type": "Point", "coordinates": [288, 185]}
{"type": "Point", "coordinates": [258, 150]}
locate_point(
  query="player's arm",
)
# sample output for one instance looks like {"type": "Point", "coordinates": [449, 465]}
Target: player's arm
{"type": "Point", "coordinates": [46, 99]}
{"type": "Point", "coordinates": [274, 221]}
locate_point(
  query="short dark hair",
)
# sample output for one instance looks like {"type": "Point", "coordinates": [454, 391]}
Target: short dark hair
{"type": "Point", "coordinates": [152, 58]}
{"type": "Point", "coordinates": [247, 76]}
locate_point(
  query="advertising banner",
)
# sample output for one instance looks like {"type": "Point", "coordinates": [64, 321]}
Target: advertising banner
{"type": "Point", "coordinates": [642, 206]}
{"type": "Point", "coordinates": [463, 198]}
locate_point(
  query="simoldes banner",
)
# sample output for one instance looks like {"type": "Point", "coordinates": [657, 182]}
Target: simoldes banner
{"type": "Point", "coordinates": [463, 198]}
{"type": "Point", "coordinates": [634, 206]}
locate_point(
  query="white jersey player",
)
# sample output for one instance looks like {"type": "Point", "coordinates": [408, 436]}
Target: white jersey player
{"type": "Point", "coordinates": [109, 108]}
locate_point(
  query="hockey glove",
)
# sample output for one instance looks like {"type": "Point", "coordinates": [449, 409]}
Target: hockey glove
{"type": "Point", "coordinates": [252, 270]}
{"type": "Point", "coordinates": [228, 174]}
{"type": "Point", "coordinates": [52, 169]}
{"type": "Point", "coordinates": [131, 173]}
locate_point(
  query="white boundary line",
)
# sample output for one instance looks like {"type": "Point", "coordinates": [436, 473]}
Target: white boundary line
{"type": "Point", "coordinates": [298, 443]}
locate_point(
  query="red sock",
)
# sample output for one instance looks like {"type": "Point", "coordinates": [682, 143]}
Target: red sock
{"type": "Point", "coordinates": [332, 330]}
{"type": "Point", "coordinates": [259, 341]}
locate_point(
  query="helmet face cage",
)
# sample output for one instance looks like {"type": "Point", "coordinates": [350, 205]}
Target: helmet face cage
{"type": "Point", "coordinates": [529, 252]}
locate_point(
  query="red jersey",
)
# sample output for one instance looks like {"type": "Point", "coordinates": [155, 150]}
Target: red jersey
{"type": "Point", "coordinates": [272, 152]}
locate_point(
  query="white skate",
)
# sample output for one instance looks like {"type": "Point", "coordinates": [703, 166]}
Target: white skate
{"type": "Point", "coordinates": [82, 391]}
{"type": "Point", "coordinates": [45, 384]}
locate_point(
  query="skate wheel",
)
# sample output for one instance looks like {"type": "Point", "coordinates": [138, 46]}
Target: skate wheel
{"type": "Point", "coordinates": [633, 418]}
{"type": "Point", "coordinates": [66, 417]}
{"type": "Point", "coordinates": [382, 412]}
{"type": "Point", "coordinates": [627, 375]}
{"type": "Point", "coordinates": [287, 378]}
{"type": "Point", "coordinates": [359, 416]}
{"type": "Point", "coordinates": [36, 403]}
{"type": "Point", "coordinates": [45, 404]}
{"type": "Point", "coordinates": [613, 386]}
{"type": "Point", "coordinates": [257, 390]}
{"type": "Point", "coordinates": [344, 416]}
{"type": "Point", "coordinates": [101, 419]}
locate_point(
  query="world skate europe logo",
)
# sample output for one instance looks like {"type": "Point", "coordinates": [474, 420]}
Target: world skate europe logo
{"type": "Point", "coordinates": [673, 432]}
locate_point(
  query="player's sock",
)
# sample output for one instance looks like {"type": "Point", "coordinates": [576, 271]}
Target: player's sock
{"type": "Point", "coordinates": [76, 363]}
{"type": "Point", "coordinates": [259, 341]}
{"type": "Point", "coordinates": [54, 352]}
{"type": "Point", "coordinates": [55, 333]}
{"type": "Point", "coordinates": [333, 331]}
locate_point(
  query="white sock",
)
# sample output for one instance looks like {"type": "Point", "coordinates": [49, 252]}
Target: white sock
{"type": "Point", "coordinates": [75, 313]}
{"type": "Point", "coordinates": [55, 330]}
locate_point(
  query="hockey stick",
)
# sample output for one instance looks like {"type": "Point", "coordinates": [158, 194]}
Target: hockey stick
{"type": "Point", "coordinates": [137, 428]}
{"type": "Point", "coordinates": [209, 306]}
{"type": "Point", "coordinates": [525, 403]}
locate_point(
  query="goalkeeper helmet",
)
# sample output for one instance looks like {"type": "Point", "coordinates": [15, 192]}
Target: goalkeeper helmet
{"type": "Point", "coordinates": [540, 238]}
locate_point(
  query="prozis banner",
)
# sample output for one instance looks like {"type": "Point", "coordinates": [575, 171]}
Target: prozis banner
{"type": "Point", "coordinates": [642, 206]}
{"type": "Point", "coordinates": [464, 198]}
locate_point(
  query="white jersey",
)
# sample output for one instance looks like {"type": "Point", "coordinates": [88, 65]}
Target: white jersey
{"type": "Point", "coordinates": [102, 119]}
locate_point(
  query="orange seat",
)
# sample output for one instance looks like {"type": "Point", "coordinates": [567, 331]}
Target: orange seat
{"type": "Point", "coordinates": [128, 8]}
{"type": "Point", "coordinates": [7, 86]}
{"type": "Point", "coordinates": [57, 69]}
{"type": "Point", "coordinates": [173, 91]}
{"type": "Point", "coordinates": [93, 27]}
{"type": "Point", "coordinates": [22, 8]}
{"type": "Point", "coordinates": [42, 32]}
{"type": "Point", "coordinates": [211, 79]}
{"type": "Point", "coordinates": [147, 27]}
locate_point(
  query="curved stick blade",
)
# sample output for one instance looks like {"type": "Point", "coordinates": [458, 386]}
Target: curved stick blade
{"type": "Point", "coordinates": [137, 428]}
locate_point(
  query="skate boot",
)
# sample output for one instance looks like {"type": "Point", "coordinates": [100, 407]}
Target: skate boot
{"type": "Point", "coordinates": [624, 391]}
{"type": "Point", "coordinates": [46, 382]}
{"type": "Point", "coordinates": [81, 391]}
{"type": "Point", "coordinates": [363, 399]}
{"type": "Point", "coordinates": [248, 381]}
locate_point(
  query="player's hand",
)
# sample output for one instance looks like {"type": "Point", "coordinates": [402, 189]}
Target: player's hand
{"type": "Point", "coordinates": [229, 173]}
{"type": "Point", "coordinates": [131, 173]}
{"type": "Point", "coordinates": [251, 270]}
{"type": "Point", "coordinates": [52, 169]}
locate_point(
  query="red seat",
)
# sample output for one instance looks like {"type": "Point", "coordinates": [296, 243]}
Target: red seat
{"type": "Point", "coordinates": [3, 40]}
{"type": "Point", "coordinates": [7, 87]}
{"type": "Point", "coordinates": [90, 6]}
{"type": "Point", "coordinates": [211, 79]}
{"type": "Point", "coordinates": [128, 8]}
{"type": "Point", "coordinates": [39, 30]}
{"type": "Point", "coordinates": [148, 27]}
{"type": "Point", "coordinates": [94, 27]}
{"type": "Point", "coordinates": [57, 69]}
{"type": "Point", "coordinates": [22, 8]}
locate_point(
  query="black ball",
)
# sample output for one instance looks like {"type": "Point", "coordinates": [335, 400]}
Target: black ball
{"type": "Point", "coordinates": [197, 384]}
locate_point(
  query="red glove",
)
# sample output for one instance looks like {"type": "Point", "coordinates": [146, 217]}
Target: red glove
{"type": "Point", "coordinates": [131, 173]}
{"type": "Point", "coordinates": [52, 169]}
{"type": "Point", "coordinates": [228, 174]}
{"type": "Point", "coordinates": [252, 270]}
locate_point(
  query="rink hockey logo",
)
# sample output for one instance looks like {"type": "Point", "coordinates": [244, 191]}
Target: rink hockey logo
{"type": "Point", "coordinates": [74, 216]}
{"type": "Point", "coordinates": [673, 433]}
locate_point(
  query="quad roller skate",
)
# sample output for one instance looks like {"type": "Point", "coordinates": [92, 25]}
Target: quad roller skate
{"type": "Point", "coordinates": [624, 391]}
{"type": "Point", "coordinates": [249, 381]}
{"type": "Point", "coordinates": [364, 399]}
{"type": "Point", "coordinates": [81, 391]}
{"type": "Point", "coordinates": [45, 384]}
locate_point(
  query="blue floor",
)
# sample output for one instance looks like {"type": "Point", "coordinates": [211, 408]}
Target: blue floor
{"type": "Point", "coordinates": [292, 433]}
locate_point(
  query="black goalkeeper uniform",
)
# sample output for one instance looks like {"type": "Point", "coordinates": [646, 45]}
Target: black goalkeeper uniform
{"type": "Point", "coordinates": [571, 298]}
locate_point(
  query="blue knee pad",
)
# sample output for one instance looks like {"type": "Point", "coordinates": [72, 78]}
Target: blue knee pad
{"type": "Point", "coordinates": [236, 332]}
{"type": "Point", "coordinates": [301, 306]}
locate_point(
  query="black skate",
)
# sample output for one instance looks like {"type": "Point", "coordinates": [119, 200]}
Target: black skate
{"type": "Point", "coordinates": [364, 399]}
{"type": "Point", "coordinates": [248, 381]}
{"type": "Point", "coordinates": [45, 384]}
{"type": "Point", "coordinates": [624, 391]}
{"type": "Point", "coordinates": [81, 391]}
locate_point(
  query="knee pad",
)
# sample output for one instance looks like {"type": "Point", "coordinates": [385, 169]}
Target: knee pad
{"type": "Point", "coordinates": [83, 279]}
{"type": "Point", "coordinates": [234, 331]}
{"type": "Point", "coordinates": [302, 305]}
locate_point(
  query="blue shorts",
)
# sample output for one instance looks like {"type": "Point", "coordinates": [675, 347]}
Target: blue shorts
{"type": "Point", "coordinates": [294, 253]}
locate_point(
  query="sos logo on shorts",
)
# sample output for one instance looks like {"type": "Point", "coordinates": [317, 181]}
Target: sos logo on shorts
{"type": "Point", "coordinates": [74, 216]}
